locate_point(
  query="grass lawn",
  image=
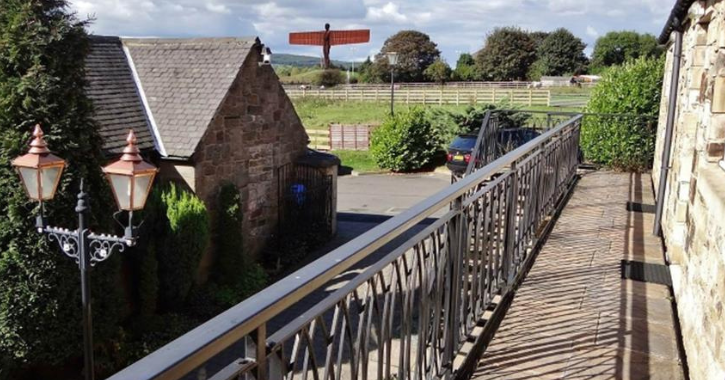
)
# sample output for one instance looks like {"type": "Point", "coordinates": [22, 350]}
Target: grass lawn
{"type": "Point", "coordinates": [357, 160]}
{"type": "Point", "coordinates": [320, 113]}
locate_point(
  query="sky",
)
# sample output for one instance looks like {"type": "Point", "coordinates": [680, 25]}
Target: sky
{"type": "Point", "coordinates": [457, 26]}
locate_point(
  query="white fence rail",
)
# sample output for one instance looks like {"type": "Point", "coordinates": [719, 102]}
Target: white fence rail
{"type": "Point", "coordinates": [440, 95]}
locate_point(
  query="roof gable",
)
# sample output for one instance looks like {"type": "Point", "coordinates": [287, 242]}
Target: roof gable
{"type": "Point", "coordinates": [116, 101]}
{"type": "Point", "coordinates": [184, 82]}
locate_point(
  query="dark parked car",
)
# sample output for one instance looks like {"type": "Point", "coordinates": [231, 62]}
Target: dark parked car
{"type": "Point", "coordinates": [459, 152]}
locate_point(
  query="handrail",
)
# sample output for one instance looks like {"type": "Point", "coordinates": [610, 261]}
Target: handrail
{"type": "Point", "coordinates": [193, 349]}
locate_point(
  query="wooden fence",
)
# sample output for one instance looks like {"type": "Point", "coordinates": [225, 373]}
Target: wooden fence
{"type": "Point", "coordinates": [440, 95]}
{"type": "Point", "coordinates": [341, 137]}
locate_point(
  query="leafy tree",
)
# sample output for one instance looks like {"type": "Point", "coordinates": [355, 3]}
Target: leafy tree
{"type": "Point", "coordinates": [507, 55]}
{"type": "Point", "coordinates": [415, 53]}
{"type": "Point", "coordinates": [624, 143]}
{"type": "Point", "coordinates": [465, 68]}
{"type": "Point", "coordinates": [561, 53]}
{"type": "Point", "coordinates": [42, 52]}
{"type": "Point", "coordinates": [438, 71]}
{"type": "Point", "coordinates": [538, 38]}
{"type": "Point", "coordinates": [615, 48]}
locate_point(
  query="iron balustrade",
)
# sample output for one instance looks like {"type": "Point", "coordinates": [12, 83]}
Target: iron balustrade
{"type": "Point", "coordinates": [409, 313]}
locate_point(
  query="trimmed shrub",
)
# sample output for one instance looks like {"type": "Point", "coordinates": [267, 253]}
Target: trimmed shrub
{"type": "Point", "coordinates": [622, 143]}
{"type": "Point", "coordinates": [329, 78]}
{"type": "Point", "coordinates": [404, 142]}
{"type": "Point", "coordinates": [178, 260]}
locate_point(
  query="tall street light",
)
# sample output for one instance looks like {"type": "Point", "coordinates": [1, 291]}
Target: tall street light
{"type": "Point", "coordinates": [392, 60]}
{"type": "Point", "coordinates": [130, 178]}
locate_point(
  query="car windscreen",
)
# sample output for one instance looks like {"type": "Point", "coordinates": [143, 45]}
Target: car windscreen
{"type": "Point", "coordinates": [463, 143]}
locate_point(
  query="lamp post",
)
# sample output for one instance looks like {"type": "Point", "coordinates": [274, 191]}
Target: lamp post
{"type": "Point", "coordinates": [130, 178]}
{"type": "Point", "coordinates": [392, 60]}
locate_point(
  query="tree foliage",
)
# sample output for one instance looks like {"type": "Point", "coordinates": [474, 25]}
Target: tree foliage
{"type": "Point", "coordinates": [615, 48]}
{"type": "Point", "coordinates": [624, 143]}
{"type": "Point", "coordinates": [507, 55]}
{"type": "Point", "coordinates": [415, 51]}
{"type": "Point", "coordinates": [561, 53]}
{"type": "Point", "coordinates": [404, 142]}
{"type": "Point", "coordinates": [42, 52]}
{"type": "Point", "coordinates": [465, 68]}
{"type": "Point", "coordinates": [438, 72]}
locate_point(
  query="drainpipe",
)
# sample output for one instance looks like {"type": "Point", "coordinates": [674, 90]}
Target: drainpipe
{"type": "Point", "coordinates": [669, 128]}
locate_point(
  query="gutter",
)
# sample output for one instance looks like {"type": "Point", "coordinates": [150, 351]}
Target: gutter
{"type": "Point", "coordinates": [674, 22]}
{"type": "Point", "coordinates": [669, 129]}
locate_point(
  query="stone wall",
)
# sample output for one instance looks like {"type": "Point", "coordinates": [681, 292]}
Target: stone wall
{"type": "Point", "coordinates": [694, 217]}
{"type": "Point", "coordinates": [255, 131]}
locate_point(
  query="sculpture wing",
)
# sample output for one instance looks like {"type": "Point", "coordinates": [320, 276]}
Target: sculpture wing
{"type": "Point", "coordinates": [345, 37]}
{"type": "Point", "coordinates": [307, 38]}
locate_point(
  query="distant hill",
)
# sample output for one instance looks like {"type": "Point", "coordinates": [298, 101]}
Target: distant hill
{"type": "Point", "coordinates": [303, 61]}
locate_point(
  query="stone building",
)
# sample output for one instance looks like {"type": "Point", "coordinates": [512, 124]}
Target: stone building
{"type": "Point", "coordinates": [693, 195]}
{"type": "Point", "coordinates": [208, 110]}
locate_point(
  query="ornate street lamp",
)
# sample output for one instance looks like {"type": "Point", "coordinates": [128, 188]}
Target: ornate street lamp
{"type": "Point", "coordinates": [392, 60]}
{"type": "Point", "coordinates": [130, 178]}
{"type": "Point", "coordinates": [40, 172]}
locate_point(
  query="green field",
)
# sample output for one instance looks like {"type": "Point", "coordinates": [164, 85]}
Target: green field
{"type": "Point", "coordinates": [320, 113]}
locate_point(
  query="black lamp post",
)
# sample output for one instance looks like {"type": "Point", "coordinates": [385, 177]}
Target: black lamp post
{"type": "Point", "coordinates": [130, 178]}
{"type": "Point", "coordinates": [392, 60]}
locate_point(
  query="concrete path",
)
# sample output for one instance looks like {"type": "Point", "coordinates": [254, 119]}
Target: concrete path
{"type": "Point", "coordinates": [574, 317]}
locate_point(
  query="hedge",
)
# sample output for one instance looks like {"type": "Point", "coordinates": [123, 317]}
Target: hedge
{"type": "Point", "coordinates": [624, 143]}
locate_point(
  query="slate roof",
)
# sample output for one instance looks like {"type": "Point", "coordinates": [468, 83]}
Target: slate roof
{"type": "Point", "coordinates": [185, 81]}
{"type": "Point", "coordinates": [117, 103]}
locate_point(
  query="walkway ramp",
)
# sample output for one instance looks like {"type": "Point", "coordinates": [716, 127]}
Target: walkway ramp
{"type": "Point", "coordinates": [574, 317]}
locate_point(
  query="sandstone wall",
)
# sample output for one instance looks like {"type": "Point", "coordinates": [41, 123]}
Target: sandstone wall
{"type": "Point", "coordinates": [255, 131]}
{"type": "Point", "coordinates": [694, 217]}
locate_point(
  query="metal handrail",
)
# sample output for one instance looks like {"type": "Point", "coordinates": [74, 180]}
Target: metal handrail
{"type": "Point", "coordinates": [249, 317]}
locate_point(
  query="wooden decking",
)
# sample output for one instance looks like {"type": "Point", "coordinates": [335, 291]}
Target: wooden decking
{"type": "Point", "coordinates": [574, 317]}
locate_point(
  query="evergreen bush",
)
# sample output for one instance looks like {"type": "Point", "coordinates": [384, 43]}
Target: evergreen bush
{"type": "Point", "coordinates": [188, 238]}
{"type": "Point", "coordinates": [229, 245]}
{"type": "Point", "coordinates": [624, 143]}
{"type": "Point", "coordinates": [405, 141]}
{"type": "Point", "coordinates": [42, 52]}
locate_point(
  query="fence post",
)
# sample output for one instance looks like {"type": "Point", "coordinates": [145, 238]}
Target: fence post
{"type": "Point", "coordinates": [511, 211]}
{"type": "Point", "coordinates": [511, 97]}
{"type": "Point", "coordinates": [440, 98]}
{"type": "Point", "coordinates": [346, 98]}
{"type": "Point", "coordinates": [531, 97]}
{"type": "Point", "coordinates": [458, 96]}
{"type": "Point", "coordinates": [376, 93]}
{"type": "Point", "coordinates": [548, 98]}
{"type": "Point", "coordinates": [304, 91]}
{"type": "Point", "coordinates": [407, 96]}
{"type": "Point", "coordinates": [475, 96]}
{"type": "Point", "coordinates": [424, 92]}
{"type": "Point", "coordinates": [494, 95]}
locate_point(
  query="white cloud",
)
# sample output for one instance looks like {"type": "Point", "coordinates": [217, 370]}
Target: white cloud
{"type": "Point", "coordinates": [217, 8]}
{"type": "Point", "coordinates": [388, 12]}
{"type": "Point", "coordinates": [591, 32]}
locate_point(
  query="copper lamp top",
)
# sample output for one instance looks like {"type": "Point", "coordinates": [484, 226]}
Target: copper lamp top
{"type": "Point", "coordinates": [131, 163]}
{"type": "Point", "coordinates": [39, 155]}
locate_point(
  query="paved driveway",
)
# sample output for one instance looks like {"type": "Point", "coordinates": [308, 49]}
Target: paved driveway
{"type": "Point", "coordinates": [387, 194]}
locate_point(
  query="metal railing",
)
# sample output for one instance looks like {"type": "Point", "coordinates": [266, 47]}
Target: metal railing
{"type": "Point", "coordinates": [409, 312]}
